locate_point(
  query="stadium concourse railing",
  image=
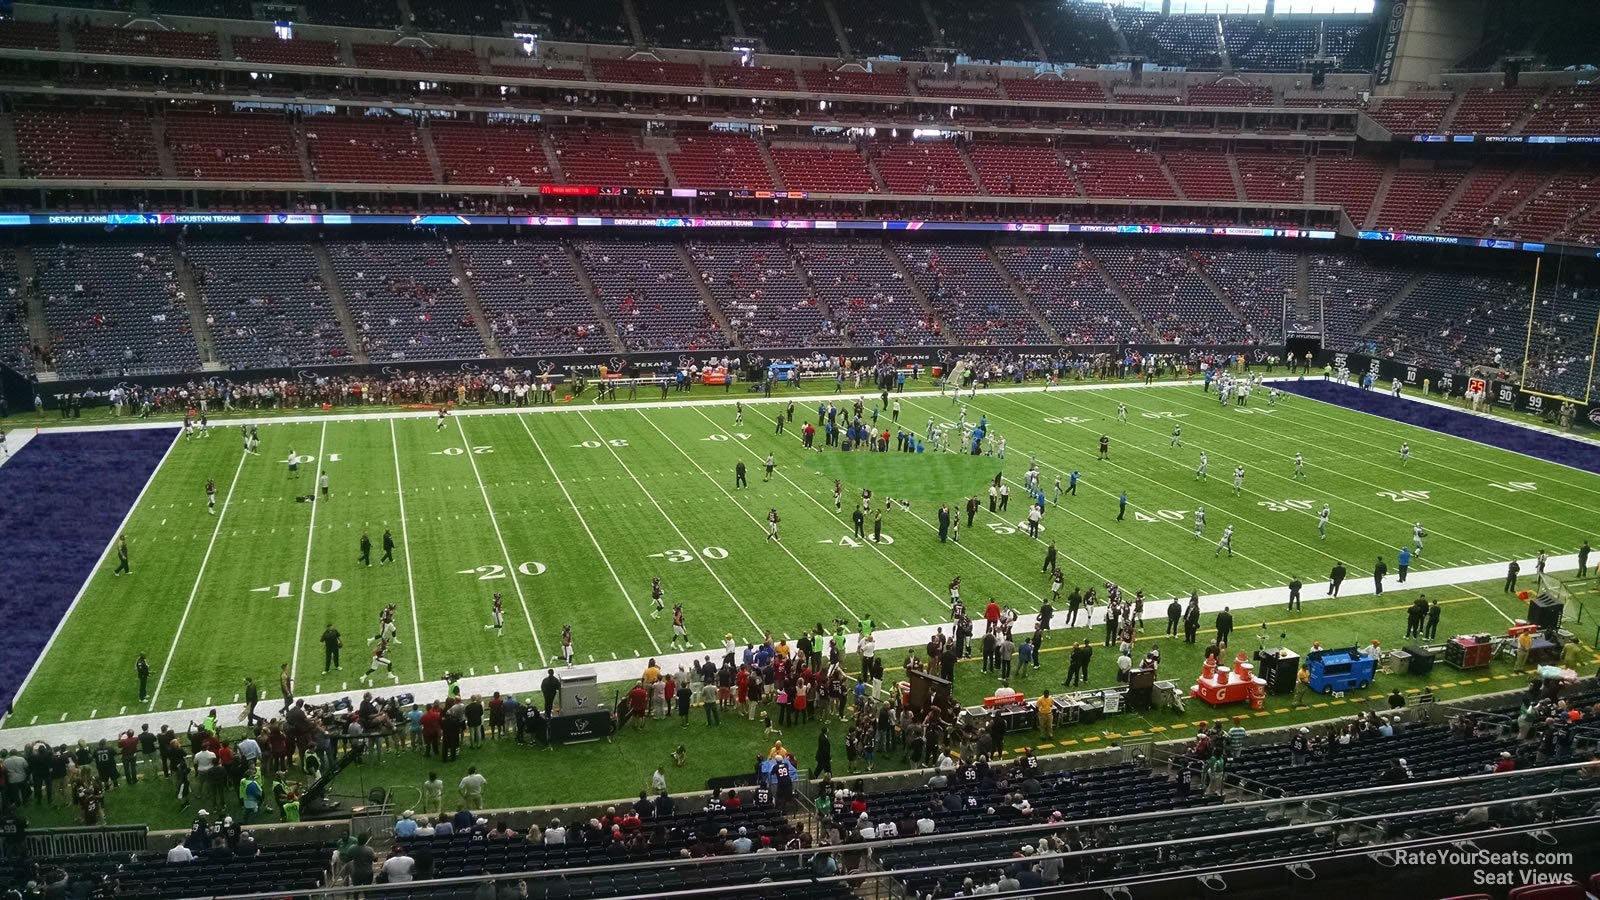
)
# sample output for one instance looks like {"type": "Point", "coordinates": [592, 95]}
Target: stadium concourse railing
{"type": "Point", "coordinates": [1340, 819]}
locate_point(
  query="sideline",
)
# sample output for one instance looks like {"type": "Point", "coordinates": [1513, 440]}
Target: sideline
{"type": "Point", "coordinates": [526, 683]}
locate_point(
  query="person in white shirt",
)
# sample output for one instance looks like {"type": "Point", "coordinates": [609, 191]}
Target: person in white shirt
{"type": "Point", "coordinates": [471, 787]}
{"type": "Point", "coordinates": [399, 867]}
{"type": "Point", "coordinates": [864, 827]}
{"type": "Point", "coordinates": [204, 762]}
{"type": "Point", "coordinates": [658, 781]}
{"type": "Point", "coordinates": [741, 844]}
{"type": "Point", "coordinates": [925, 825]}
{"type": "Point", "coordinates": [555, 834]}
{"type": "Point", "coordinates": [179, 854]}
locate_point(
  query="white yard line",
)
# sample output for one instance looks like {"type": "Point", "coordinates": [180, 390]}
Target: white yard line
{"type": "Point", "coordinates": [311, 533]}
{"type": "Point", "coordinates": [83, 588]}
{"type": "Point", "coordinates": [15, 441]}
{"type": "Point", "coordinates": [1335, 473]}
{"type": "Point", "coordinates": [610, 672]}
{"type": "Point", "coordinates": [681, 536]}
{"type": "Point", "coordinates": [599, 550]}
{"type": "Point", "coordinates": [751, 516]}
{"type": "Point", "coordinates": [511, 565]}
{"type": "Point", "coordinates": [194, 591]}
{"type": "Point", "coordinates": [405, 549]}
{"type": "Point", "coordinates": [1444, 445]}
{"type": "Point", "coordinates": [937, 597]}
{"type": "Point", "coordinates": [1194, 579]}
{"type": "Point", "coordinates": [1411, 471]}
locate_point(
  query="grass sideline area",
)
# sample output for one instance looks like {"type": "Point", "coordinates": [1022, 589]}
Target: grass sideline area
{"type": "Point", "coordinates": [569, 514]}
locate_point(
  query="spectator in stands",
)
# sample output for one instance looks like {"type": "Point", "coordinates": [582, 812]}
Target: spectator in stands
{"type": "Point", "coordinates": [471, 787]}
{"type": "Point", "coordinates": [406, 827]}
{"type": "Point", "coordinates": [360, 858]}
{"type": "Point", "coordinates": [400, 867]}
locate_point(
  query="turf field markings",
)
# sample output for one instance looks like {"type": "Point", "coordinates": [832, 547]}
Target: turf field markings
{"type": "Point", "coordinates": [1194, 579]}
{"type": "Point", "coordinates": [610, 448]}
{"type": "Point", "coordinates": [1433, 439]}
{"type": "Point", "coordinates": [877, 548]}
{"type": "Point", "coordinates": [33, 721]}
{"type": "Point", "coordinates": [749, 515]}
{"type": "Point", "coordinates": [1411, 473]}
{"type": "Point", "coordinates": [305, 573]}
{"type": "Point", "coordinates": [600, 551]}
{"type": "Point", "coordinates": [195, 590]}
{"type": "Point", "coordinates": [1243, 520]}
{"type": "Point", "coordinates": [64, 716]}
{"type": "Point", "coordinates": [511, 567]}
{"type": "Point", "coordinates": [1344, 501]}
{"type": "Point", "coordinates": [405, 548]}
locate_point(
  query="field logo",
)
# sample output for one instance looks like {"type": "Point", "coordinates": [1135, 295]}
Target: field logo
{"type": "Point", "coordinates": [686, 362]}
{"type": "Point", "coordinates": [471, 367]}
{"type": "Point", "coordinates": [391, 371]}
{"type": "Point", "coordinates": [305, 375]}
{"type": "Point", "coordinates": [1594, 416]}
{"type": "Point", "coordinates": [615, 363]}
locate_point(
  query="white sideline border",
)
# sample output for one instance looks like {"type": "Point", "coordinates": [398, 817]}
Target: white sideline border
{"type": "Point", "coordinates": [614, 671]}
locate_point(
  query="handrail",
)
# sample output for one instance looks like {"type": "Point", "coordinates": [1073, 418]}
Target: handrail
{"type": "Point", "coordinates": [1272, 833]}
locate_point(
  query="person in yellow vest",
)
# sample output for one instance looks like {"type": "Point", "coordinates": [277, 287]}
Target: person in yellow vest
{"type": "Point", "coordinates": [1302, 683]}
{"type": "Point", "coordinates": [1524, 647]}
{"type": "Point", "coordinates": [1047, 720]}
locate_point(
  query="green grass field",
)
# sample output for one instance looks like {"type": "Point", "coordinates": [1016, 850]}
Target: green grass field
{"type": "Point", "coordinates": [571, 513]}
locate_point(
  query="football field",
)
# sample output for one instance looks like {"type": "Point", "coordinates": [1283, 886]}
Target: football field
{"type": "Point", "coordinates": [569, 512]}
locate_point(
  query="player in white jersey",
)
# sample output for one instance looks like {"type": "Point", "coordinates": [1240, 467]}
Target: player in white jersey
{"type": "Point", "coordinates": [1200, 521]}
{"type": "Point", "coordinates": [442, 414]}
{"type": "Point", "coordinates": [1272, 396]}
{"type": "Point", "coordinates": [1238, 480]}
{"type": "Point", "coordinates": [1122, 412]}
{"type": "Point", "coordinates": [1177, 436]}
{"type": "Point", "coordinates": [1299, 466]}
{"type": "Point", "coordinates": [1322, 523]}
{"type": "Point", "coordinates": [772, 525]}
{"type": "Point", "coordinates": [1405, 453]}
{"type": "Point", "coordinates": [1205, 464]}
{"type": "Point", "coordinates": [738, 412]}
{"type": "Point", "coordinates": [1226, 543]}
{"type": "Point", "coordinates": [566, 644]}
{"type": "Point", "coordinates": [1417, 534]}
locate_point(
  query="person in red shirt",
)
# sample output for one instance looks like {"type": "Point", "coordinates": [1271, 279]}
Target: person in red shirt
{"type": "Point", "coordinates": [1504, 764]}
{"type": "Point", "coordinates": [991, 615]}
{"type": "Point", "coordinates": [638, 704]}
{"type": "Point", "coordinates": [432, 730]}
{"type": "Point", "coordinates": [130, 763]}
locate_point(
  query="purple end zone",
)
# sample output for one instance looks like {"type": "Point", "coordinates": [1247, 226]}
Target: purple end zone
{"type": "Point", "coordinates": [1495, 433]}
{"type": "Point", "coordinates": [61, 501]}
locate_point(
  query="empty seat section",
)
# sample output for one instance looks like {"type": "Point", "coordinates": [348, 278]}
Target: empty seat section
{"type": "Point", "coordinates": [826, 168]}
{"type": "Point", "coordinates": [1075, 31]}
{"type": "Point", "coordinates": [115, 309]}
{"type": "Point", "coordinates": [1414, 197]}
{"type": "Point", "coordinates": [296, 52]}
{"type": "Point", "coordinates": [233, 146]}
{"type": "Point", "coordinates": [1450, 320]}
{"type": "Point", "coordinates": [761, 294]}
{"type": "Point", "coordinates": [57, 142]}
{"type": "Point", "coordinates": [1176, 302]}
{"type": "Point", "coordinates": [970, 295]}
{"type": "Point", "coordinates": [146, 42]}
{"type": "Point", "coordinates": [1030, 170]}
{"type": "Point", "coordinates": [404, 300]}
{"type": "Point", "coordinates": [720, 161]}
{"type": "Point", "coordinates": [1555, 208]}
{"type": "Point", "coordinates": [510, 153]}
{"type": "Point", "coordinates": [1231, 95]}
{"type": "Point", "coordinates": [791, 26]}
{"type": "Point", "coordinates": [415, 59]}
{"type": "Point", "coordinates": [1412, 114]}
{"type": "Point", "coordinates": [991, 32]}
{"type": "Point", "coordinates": [1121, 172]}
{"type": "Point", "coordinates": [1258, 282]}
{"type": "Point", "coordinates": [1493, 190]}
{"type": "Point", "coordinates": [1492, 110]}
{"type": "Point", "coordinates": [606, 157]}
{"type": "Point", "coordinates": [532, 298]}
{"type": "Point", "coordinates": [685, 24]}
{"type": "Point", "coordinates": [886, 27]}
{"type": "Point", "coordinates": [1054, 90]}
{"type": "Point", "coordinates": [757, 78]}
{"type": "Point", "coordinates": [1065, 286]}
{"type": "Point", "coordinates": [486, 17]}
{"type": "Point", "coordinates": [865, 292]}
{"type": "Point", "coordinates": [887, 84]}
{"type": "Point", "coordinates": [644, 71]}
{"type": "Point", "coordinates": [266, 304]}
{"type": "Point", "coordinates": [1351, 183]}
{"type": "Point", "coordinates": [931, 167]}
{"type": "Point", "coordinates": [368, 149]}
{"type": "Point", "coordinates": [16, 347]}
{"type": "Point", "coordinates": [1202, 175]}
{"type": "Point", "coordinates": [29, 35]}
{"type": "Point", "coordinates": [649, 296]}
{"type": "Point", "coordinates": [1273, 177]}
{"type": "Point", "coordinates": [1347, 291]}
{"type": "Point", "coordinates": [1573, 109]}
